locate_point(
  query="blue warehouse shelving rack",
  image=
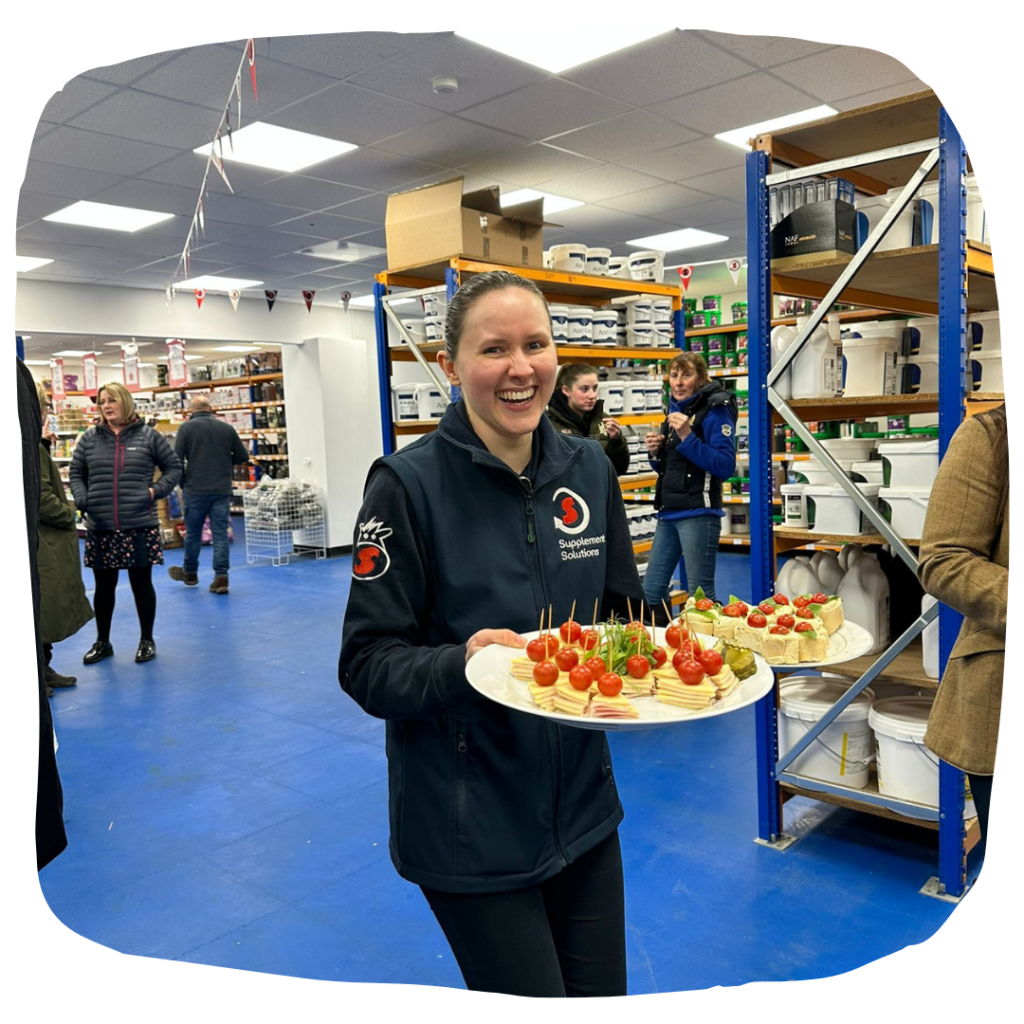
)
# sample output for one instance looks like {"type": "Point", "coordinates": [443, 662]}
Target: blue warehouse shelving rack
{"type": "Point", "coordinates": [897, 144]}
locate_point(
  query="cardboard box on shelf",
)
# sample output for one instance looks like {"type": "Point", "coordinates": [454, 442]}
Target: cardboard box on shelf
{"type": "Point", "coordinates": [171, 533]}
{"type": "Point", "coordinates": [817, 231]}
{"type": "Point", "coordinates": [439, 221]}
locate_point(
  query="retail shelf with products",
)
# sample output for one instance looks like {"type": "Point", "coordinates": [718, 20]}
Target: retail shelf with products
{"type": "Point", "coordinates": [870, 148]}
{"type": "Point", "coordinates": [210, 385]}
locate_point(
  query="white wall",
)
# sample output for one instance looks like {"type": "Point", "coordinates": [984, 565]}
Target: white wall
{"type": "Point", "coordinates": [334, 433]}
{"type": "Point", "coordinates": [46, 306]}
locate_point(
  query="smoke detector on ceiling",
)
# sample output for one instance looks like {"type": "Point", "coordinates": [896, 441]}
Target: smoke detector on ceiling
{"type": "Point", "coordinates": [444, 85]}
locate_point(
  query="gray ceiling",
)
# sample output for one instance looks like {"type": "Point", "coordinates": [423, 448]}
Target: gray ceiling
{"type": "Point", "coordinates": [630, 134]}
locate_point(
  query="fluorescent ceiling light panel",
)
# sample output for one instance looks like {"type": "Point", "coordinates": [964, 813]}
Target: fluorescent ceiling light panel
{"type": "Point", "coordinates": [684, 238]}
{"type": "Point", "coordinates": [559, 51]}
{"type": "Point", "coordinates": [117, 366]}
{"type": "Point", "coordinates": [23, 264]}
{"type": "Point", "coordinates": [72, 353]}
{"type": "Point", "coordinates": [216, 284]}
{"type": "Point", "coordinates": [118, 344]}
{"type": "Point", "coordinates": [37, 362]}
{"type": "Point", "coordinates": [740, 136]}
{"type": "Point", "coordinates": [193, 358]}
{"type": "Point", "coordinates": [279, 149]}
{"type": "Point", "coordinates": [103, 215]}
{"type": "Point", "coordinates": [552, 204]}
{"type": "Point", "coordinates": [342, 252]}
{"type": "Point", "coordinates": [236, 348]}
{"type": "Point", "coordinates": [366, 302]}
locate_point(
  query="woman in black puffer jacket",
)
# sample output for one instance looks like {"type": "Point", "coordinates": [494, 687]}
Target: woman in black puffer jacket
{"type": "Point", "coordinates": [575, 409]}
{"type": "Point", "coordinates": [112, 483]}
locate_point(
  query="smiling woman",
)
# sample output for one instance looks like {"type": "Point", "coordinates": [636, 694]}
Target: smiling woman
{"type": "Point", "coordinates": [509, 828]}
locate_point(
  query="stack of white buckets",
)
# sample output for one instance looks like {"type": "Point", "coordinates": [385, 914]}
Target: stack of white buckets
{"type": "Point", "coordinates": [888, 731]}
{"type": "Point", "coordinates": [413, 401]}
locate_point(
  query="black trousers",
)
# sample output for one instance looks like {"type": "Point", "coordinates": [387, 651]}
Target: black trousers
{"type": "Point", "coordinates": [981, 790]}
{"type": "Point", "coordinates": [564, 937]}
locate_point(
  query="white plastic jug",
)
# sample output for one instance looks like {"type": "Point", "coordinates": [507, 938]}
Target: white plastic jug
{"type": "Point", "coordinates": [864, 591]}
{"type": "Point", "coordinates": [817, 370]}
{"type": "Point", "coordinates": [781, 338]}
{"type": "Point", "coordinates": [829, 571]}
{"type": "Point", "coordinates": [797, 577]}
{"type": "Point", "coordinates": [848, 554]}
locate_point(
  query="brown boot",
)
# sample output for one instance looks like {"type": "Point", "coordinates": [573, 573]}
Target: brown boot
{"type": "Point", "coordinates": [219, 585]}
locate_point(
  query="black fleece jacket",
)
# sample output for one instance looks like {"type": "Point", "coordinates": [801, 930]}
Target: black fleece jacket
{"type": "Point", "coordinates": [567, 421]}
{"type": "Point", "coordinates": [450, 540]}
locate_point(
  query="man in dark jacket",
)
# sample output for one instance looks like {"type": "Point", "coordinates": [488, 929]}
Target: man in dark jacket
{"type": "Point", "coordinates": [209, 448]}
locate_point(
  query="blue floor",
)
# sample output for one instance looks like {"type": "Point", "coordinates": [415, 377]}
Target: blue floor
{"type": "Point", "coordinates": [226, 805]}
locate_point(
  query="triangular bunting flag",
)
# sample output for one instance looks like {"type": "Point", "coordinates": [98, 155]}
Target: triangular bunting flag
{"type": "Point", "coordinates": [200, 295]}
{"type": "Point", "coordinates": [685, 273]}
{"type": "Point", "coordinates": [220, 167]}
{"type": "Point", "coordinates": [308, 296]}
{"type": "Point", "coordinates": [238, 90]}
{"type": "Point", "coordinates": [234, 295]}
{"type": "Point", "coordinates": [271, 296]}
{"type": "Point", "coordinates": [252, 68]}
{"type": "Point", "coordinates": [734, 266]}
{"type": "Point", "coordinates": [202, 222]}
{"type": "Point", "coordinates": [227, 125]}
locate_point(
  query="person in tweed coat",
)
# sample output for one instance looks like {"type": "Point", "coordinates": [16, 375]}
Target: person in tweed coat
{"type": "Point", "coordinates": [964, 562]}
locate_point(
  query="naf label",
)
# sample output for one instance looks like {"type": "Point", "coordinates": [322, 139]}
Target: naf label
{"type": "Point", "coordinates": [821, 230]}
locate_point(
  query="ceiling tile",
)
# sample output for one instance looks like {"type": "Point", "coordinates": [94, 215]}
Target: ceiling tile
{"type": "Point", "coordinates": [48, 250]}
{"type": "Point", "coordinates": [373, 169]}
{"type": "Point", "coordinates": [206, 75]}
{"type": "Point", "coordinates": [326, 225]}
{"type": "Point", "coordinates": [669, 65]}
{"type": "Point", "coordinates": [187, 169]}
{"type": "Point", "coordinates": [651, 202]}
{"type": "Point", "coordinates": [355, 115]}
{"type": "Point", "coordinates": [77, 96]}
{"type": "Point", "coordinates": [338, 54]}
{"type": "Point", "coordinates": [531, 164]}
{"type": "Point", "coordinates": [33, 206]}
{"type": "Point", "coordinates": [294, 263]}
{"type": "Point", "coordinates": [372, 208]}
{"type": "Point", "coordinates": [733, 104]}
{"type": "Point", "coordinates": [764, 51]}
{"type": "Point", "coordinates": [375, 237]}
{"type": "Point", "coordinates": [450, 141]}
{"type": "Point", "coordinates": [846, 71]}
{"type": "Point", "coordinates": [550, 107]}
{"type": "Point", "coordinates": [705, 214]}
{"type": "Point", "coordinates": [691, 158]}
{"type": "Point", "coordinates": [727, 184]}
{"type": "Point", "coordinates": [111, 259]}
{"type": "Point", "coordinates": [635, 132]}
{"type": "Point", "coordinates": [230, 252]}
{"type": "Point", "coordinates": [69, 270]}
{"type": "Point", "coordinates": [91, 151]}
{"type": "Point", "coordinates": [599, 183]}
{"type": "Point", "coordinates": [236, 210]}
{"type": "Point", "coordinates": [71, 183]}
{"type": "Point", "coordinates": [601, 221]}
{"type": "Point", "coordinates": [150, 195]}
{"type": "Point", "coordinates": [274, 242]}
{"type": "Point", "coordinates": [309, 193]}
{"type": "Point", "coordinates": [482, 73]}
{"type": "Point", "coordinates": [127, 71]}
{"type": "Point", "coordinates": [168, 245]}
{"type": "Point", "coordinates": [47, 231]}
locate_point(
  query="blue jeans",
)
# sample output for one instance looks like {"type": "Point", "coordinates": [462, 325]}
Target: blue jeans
{"type": "Point", "coordinates": [696, 540]}
{"type": "Point", "coordinates": [197, 508]}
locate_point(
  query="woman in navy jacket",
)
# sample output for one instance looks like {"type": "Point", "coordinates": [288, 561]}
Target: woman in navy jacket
{"type": "Point", "coordinates": [506, 821]}
{"type": "Point", "coordinates": [112, 483]}
{"type": "Point", "coordinates": [692, 454]}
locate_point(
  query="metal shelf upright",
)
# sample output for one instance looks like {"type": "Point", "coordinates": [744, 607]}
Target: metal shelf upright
{"type": "Point", "coordinates": [897, 162]}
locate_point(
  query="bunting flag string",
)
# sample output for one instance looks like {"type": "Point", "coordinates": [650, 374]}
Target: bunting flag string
{"type": "Point", "coordinates": [271, 297]}
{"type": "Point", "coordinates": [251, 51]}
{"type": "Point", "coordinates": [685, 273]}
{"type": "Point", "coordinates": [308, 296]}
{"type": "Point", "coordinates": [234, 295]}
{"type": "Point", "coordinates": [198, 218]}
{"type": "Point", "coordinates": [734, 266]}
{"type": "Point", "coordinates": [200, 295]}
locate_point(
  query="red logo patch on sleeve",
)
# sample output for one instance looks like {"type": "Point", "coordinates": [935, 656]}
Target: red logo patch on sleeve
{"type": "Point", "coordinates": [371, 560]}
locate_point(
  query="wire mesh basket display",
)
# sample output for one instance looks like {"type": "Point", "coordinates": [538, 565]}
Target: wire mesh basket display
{"type": "Point", "coordinates": [284, 518]}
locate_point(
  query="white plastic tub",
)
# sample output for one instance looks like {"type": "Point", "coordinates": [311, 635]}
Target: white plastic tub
{"type": "Point", "coordinates": [727, 523]}
{"type": "Point", "coordinates": [923, 337]}
{"type": "Point", "coordinates": [580, 325]}
{"type": "Point", "coordinates": [843, 753]}
{"type": "Point", "coordinates": [905, 508]}
{"type": "Point", "coordinates": [811, 471]}
{"type": "Point", "coordinates": [901, 234]}
{"type": "Point", "coordinates": [648, 265]}
{"type": "Point", "coordinates": [639, 311]}
{"type": "Point", "coordinates": [985, 334]}
{"type": "Point", "coordinates": [654, 398]}
{"type": "Point", "coordinates": [641, 336]}
{"type": "Point", "coordinates": [570, 258]}
{"type": "Point", "coordinates": [618, 266]}
{"type": "Point", "coordinates": [918, 374]}
{"type": "Point", "coordinates": [831, 510]}
{"type": "Point", "coordinates": [985, 371]}
{"type": "Point", "coordinates": [794, 506]}
{"type": "Point", "coordinates": [417, 330]}
{"type": "Point", "coordinates": [603, 323]}
{"type": "Point", "coordinates": [907, 769]}
{"type": "Point", "coordinates": [434, 327]}
{"type": "Point", "coordinates": [634, 398]}
{"type": "Point", "coordinates": [977, 222]}
{"type": "Point", "coordinates": [909, 463]}
{"type": "Point", "coordinates": [870, 355]}
{"type": "Point", "coordinates": [849, 449]}
{"type": "Point", "coordinates": [869, 472]}
{"type": "Point", "coordinates": [406, 402]}
{"type": "Point", "coordinates": [740, 523]}
{"type": "Point", "coordinates": [430, 402]}
{"type": "Point", "coordinates": [597, 261]}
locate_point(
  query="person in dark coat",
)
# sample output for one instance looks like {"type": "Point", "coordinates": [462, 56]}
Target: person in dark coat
{"type": "Point", "coordinates": [507, 822]}
{"type": "Point", "coordinates": [51, 838]}
{"type": "Point", "coordinates": [575, 409]}
{"type": "Point", "coordinates": [112, 483]}
{"type": "Point", "coordinates": [65, 609]}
